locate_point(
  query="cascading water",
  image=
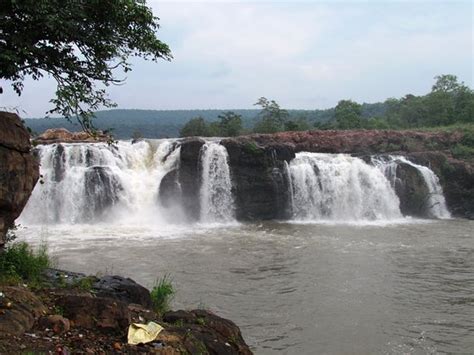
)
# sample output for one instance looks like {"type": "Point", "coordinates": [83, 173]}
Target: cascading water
{"type": "Point", "coordinates": [90, 182]}
{"type": "Point", "coordinates": [340, 188]}
{"type": "Point", "coordinates": [217, 203]}
{"type": "Point", "coordinates": [436, 202]}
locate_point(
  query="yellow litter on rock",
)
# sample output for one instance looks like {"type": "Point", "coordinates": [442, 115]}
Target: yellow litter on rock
{"type": "Point", "coordinates": [143, 333]}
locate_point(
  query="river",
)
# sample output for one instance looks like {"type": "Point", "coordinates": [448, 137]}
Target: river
{"type": "Point", "coordinates": [299, 288]}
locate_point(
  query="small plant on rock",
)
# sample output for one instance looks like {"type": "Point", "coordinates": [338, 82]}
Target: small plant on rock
{"type": "Point", "coordinates": [162, 294]}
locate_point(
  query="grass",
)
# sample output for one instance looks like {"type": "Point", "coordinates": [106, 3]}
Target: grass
{"type": "Point", "coordinates": [20, 263]}
{"type": "Point", "coordinates": [162, 294]}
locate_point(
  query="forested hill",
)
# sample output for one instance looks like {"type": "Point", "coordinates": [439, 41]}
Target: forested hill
{"type": "Point", "coordinates": [167, 123]}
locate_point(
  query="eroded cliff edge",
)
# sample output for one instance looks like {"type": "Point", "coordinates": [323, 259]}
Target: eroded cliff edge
{"type": "Point", "coordinates": [258, 163]}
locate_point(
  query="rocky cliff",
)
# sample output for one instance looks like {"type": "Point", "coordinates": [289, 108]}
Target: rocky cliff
{"type": "Point", "coordinates": [259, 162]}
{"type": "Point", "coordinates": [18, 170]}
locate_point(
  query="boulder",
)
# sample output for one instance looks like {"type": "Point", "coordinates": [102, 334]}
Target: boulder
{"type": "Point", "coordinates": [57, 135]}
{"type": "Point", "coordinates": [170, 189]}
{"type": "Point", "coordinates": [103, 314]}
{"type": "Point", "coordinates": [101, 189]}
{"type": "Point", "coordinates": [19, 310]}
{"type": "Point", "coordinates": [18, 170]}
{"type": "Point", "coordinates": [201, 331]}
{"type": "Point", "coordinates": [261, 184]}
{"type": "Point", "coordinates": [412, 191]}
{"type": "Point", "coordinates": [56, 323]}
{"type": "Point", "coordinates": [123, 289]}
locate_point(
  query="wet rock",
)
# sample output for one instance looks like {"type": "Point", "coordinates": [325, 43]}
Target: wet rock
{"type": "Point", "coordinates": [201, 331]}
{"type": "Point", "coordinates": [190, 176]}
{"type": "Point", "coordinates": [99, 313]}
{"type": "Point", "coordinates": [412, 191]}
{"type": "Point", "coordinates": [170, 189]}
{"type": "Point", "coordinates": [18, 170]}
{"type": "Point", "coordinates": [123, 289]}
{"type": "Point", "coordinates": [456, 178]}
{"type": "Point", "coordinates": [56, 322]}
{"type": "Point", "coordinates": [20, 311]}
{"type": "Point", "coordinates": [101, 189]}
{"type": "Point", "coordinates": [261, 186]}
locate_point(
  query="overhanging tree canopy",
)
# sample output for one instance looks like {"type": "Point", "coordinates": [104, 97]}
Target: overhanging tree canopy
{"type": "Point", "coordinates": [80, 44]}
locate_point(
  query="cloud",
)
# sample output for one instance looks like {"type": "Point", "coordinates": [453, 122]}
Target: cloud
{"type": "Point", "coordinates": [305, 54]}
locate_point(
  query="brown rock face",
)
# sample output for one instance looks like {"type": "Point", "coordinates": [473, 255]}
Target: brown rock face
{"type": "Point", "coordinates": [57, 135]}
{"type": "Point", "coordinates": [19, 310]}
{"type": "Point", "coordinates": [18, 170]}
{"type": "Point", "coordinates": [95, 312]}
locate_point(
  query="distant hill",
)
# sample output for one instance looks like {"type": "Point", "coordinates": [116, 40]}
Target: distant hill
{"type": "Point", "coordinates": [167, 123]}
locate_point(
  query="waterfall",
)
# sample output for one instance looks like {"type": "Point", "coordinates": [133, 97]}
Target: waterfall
{"type": "Point", "coordinates": [217, 203]}
{"type": "Point", "coordinates": [340, 188]}
{"type": "Point", "coordinates": [90, 182]}
{"type": "Point", "coordinates": [436, 203]}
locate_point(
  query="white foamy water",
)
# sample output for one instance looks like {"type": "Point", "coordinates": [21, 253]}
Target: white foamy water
{"type": "Point", "coordinates": [436, 202]}
{"type": "Point", "coordinates": [338, 187]}
{"type": "Point", "coordinates": [84, 183]}
{"type": "Point", "coordinates": [217, 202]}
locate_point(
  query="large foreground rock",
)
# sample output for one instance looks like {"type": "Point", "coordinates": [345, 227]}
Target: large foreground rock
{"type": "Point", "coordinates": [18, 170]}
{"type": "Point", "coordinates": [19, 309]}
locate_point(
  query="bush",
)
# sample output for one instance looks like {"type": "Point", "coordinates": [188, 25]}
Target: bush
{"type": "Point", "coordinates": [18, 262]}
{"type": "Point", "coordinates": [162, 294]}
{"type": "Point", "coordinates": [461, 151]}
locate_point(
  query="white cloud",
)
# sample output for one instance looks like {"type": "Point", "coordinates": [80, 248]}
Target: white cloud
{"type": "Point", "coordinates": [304, 54]}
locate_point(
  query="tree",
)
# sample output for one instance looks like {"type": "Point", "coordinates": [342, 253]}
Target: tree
{"type": "Point", "coordinates": [81, 44]}
{"type": "Point", "coordinates": [272, 117]}
{"type": "Point", "coordinates": [195, 127]}
{"type": "Point", "coordinates": [450, 101]}
{"type": "Point", "coordinates": [230, 124]}
{"type": "Point", "coordinates": [348, 114]}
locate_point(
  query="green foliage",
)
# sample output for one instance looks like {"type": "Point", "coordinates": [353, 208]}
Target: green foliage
{"type": "Point", "coordinates": [462, 151]}
{"type": "Point", "coordinates": [195, 127]}
{"type": "Point", "coordinates": [449, 102]}
{"type": "Point", "coordinates": [272, 117]}
{"type": "Point", "coordinates": [18, 262]}
{"type": "Point", "coordinates": [80, 44]}
{"type": "Point", "coordinates": [230, 124]}
{"type": "Point", "coordinates": [162, 294]}
{"type": "Point", "coordinates": [85, 283]}
{"type": "Point", "coordinates": [348, 115]}
{"type": "Point", "coordinates": [252, 149]}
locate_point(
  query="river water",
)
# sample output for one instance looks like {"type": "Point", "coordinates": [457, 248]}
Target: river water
{"type": "Point", "coordinates": [296, 288]}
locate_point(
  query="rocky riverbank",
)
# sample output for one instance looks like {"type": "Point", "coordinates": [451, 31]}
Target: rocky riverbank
{"type": "Point", "coordinates": [73, 313]}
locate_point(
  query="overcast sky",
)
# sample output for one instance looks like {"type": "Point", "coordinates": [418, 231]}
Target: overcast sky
{"type": "Point", "coordinates": [306, 54]}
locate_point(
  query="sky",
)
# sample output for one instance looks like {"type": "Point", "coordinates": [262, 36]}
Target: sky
{"type": "Point", "coordinates": [303, 54]}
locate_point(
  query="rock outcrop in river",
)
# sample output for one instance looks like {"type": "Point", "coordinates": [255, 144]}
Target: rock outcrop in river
{"type": "Point", "coordinates": [258, 164]}
{"type": "Point", "coordinates": [18, 170]}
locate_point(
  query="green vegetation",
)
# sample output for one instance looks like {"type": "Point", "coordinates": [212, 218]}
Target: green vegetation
{"type": "Point", "coordinates": [78, 44]}
{"type": "Point", "coordinates": [229, 124]}
{"type": "Point", "coordinates": [271, 118]}
{"type": "Point", "coordinates": [449, 103]}
{"type": "Point", "coordinates": [85, 283]}
{"type": "Point", "coordinates": [348, 115]}
{"type": "Point", "coordinates": [162, 294]}
{"type": "Point", "coordinates": [20, 263]}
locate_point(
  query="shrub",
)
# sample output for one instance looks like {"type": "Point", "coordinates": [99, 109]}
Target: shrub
{"type": "Point", "coordinates": [461, 151]}
{"type": "Point", "coordinates": [162, 294]}
{"type": "Point", "coordinates": [18, 262]}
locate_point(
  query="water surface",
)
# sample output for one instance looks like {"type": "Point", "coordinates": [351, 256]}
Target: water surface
{"type": "Point", "coordinates": [405, 288]}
